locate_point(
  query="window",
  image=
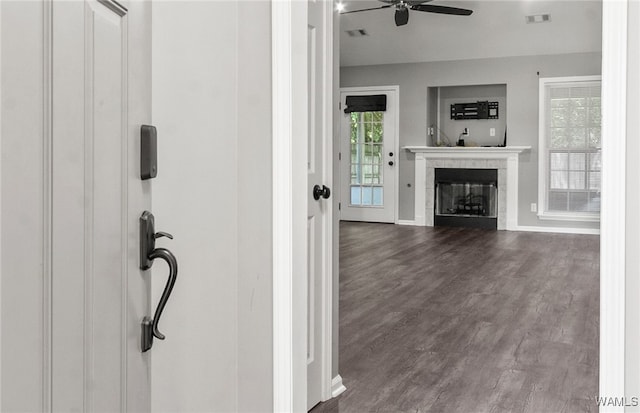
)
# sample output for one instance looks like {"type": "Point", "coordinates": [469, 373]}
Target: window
{"type": "Point", "coordinates": [367, 132]}
{"type": "Point", "coordinates": [569, 161]}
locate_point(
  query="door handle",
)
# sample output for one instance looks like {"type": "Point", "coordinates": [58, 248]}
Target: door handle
{"type": "Point", "coordinates": [321, 192]}
{"type": "Point", "coordinates": [148, 253]}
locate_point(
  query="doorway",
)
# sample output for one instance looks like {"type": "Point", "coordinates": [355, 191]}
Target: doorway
{"type": "Point", "coordinates": [615, 66]}
{"type": "Point", "coordinates": [368, 154]}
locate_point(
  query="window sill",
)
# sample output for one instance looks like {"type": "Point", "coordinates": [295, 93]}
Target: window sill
{"type": "Point", "coordinates": [574, 217]}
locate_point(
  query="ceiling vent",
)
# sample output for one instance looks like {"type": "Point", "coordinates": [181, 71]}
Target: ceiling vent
{"type": "Point", "coordinates": [538, 18]}
{"type": "Point", "coordinates": [357, 33]}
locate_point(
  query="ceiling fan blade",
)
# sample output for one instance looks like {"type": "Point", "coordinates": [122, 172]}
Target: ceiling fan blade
{"type": "Point", "coordinates": [402, 16]}
{"type": "Point", "coordinates": [442, 9]}
{"type": "Point", "coordinates": [373, 8]}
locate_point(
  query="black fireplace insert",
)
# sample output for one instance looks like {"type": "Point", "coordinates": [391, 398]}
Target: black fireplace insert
{"type": "Point", "coordinates": [466, 198]}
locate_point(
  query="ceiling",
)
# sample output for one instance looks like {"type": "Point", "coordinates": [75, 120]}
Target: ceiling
{"type": "Point", "coordinates": [497, 28]}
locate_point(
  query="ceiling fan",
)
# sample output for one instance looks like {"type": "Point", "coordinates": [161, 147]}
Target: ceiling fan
{"type": "Point", "coordinates": [403, 7]}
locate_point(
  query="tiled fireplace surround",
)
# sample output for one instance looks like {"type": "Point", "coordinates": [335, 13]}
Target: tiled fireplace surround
{"type": "Point", "coordinates": [505, 160]}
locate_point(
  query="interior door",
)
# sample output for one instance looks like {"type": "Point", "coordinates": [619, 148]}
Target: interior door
{"type": "Point", "coordinates": [319, 223]}
{"type": "Point", "coordinates": [369, 158]}
{"type": "Point", "coordinates": [76, 88]}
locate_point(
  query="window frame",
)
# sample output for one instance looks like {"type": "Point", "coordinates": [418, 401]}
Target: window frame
{"type": "Point", "coordinates": [543, 152]}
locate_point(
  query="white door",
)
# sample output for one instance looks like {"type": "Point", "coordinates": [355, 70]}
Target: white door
{"type": "Point", "coordinates": [369, 158]}
{"type": "Point", "coordinates": [319, 223]}
{"type": "Point", "coordinates": [95, 96]}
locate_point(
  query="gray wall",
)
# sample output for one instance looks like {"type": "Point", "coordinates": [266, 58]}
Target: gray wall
{"type": "Point", "coordinates": [478, 128]}
{"type": "Point", "coordinates": [520, 74]}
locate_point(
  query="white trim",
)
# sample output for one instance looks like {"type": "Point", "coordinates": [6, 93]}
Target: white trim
{"type": "Point", "coordinates": [559, 230]}
{"type": "Point", "coordinates": [327, 237]}
{"type": "Point", "coordinates": [0, 214]}
{"type": "Point", "coordinates": [47, 207]}
{"type": "Point", "coordinates": [395, 89]}
{"type": "Point", "coordinates": [410, 222]}
{"type": "Point", "coordinates": [612, 216]}
{"type": "Point", "coordinates": [281, 18]}
{"type": "Point", "coordinates": [337, 388]}
{"type": "Point", "coordinates": [420, 190]}
{"type": "Point", "coordinates": [577, 217]}
{"type": "Point", "coordinates": [542, 149]}
{"type": "Point", "coordinates": [468, 151]}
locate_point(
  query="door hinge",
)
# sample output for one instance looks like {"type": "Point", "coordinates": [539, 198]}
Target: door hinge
{"type": "Point", "coordinates": [339, 105]}
{"type": "Point", "coordinates": [339, 156]}
{"type": "Point", "coordinates": [339, 206]}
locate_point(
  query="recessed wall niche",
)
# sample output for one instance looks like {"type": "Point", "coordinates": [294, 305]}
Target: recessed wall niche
{"type": "Point", "coordinates": [444, 131]}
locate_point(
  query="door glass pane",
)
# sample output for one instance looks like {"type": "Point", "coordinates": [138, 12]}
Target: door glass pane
{"type": "Point", "coordinates": [366, 158]}
{"type": "Point", "coordinates": [377, 195]}
{"type": "Point", "coordinates": [366, 195]}
{"type": "Point", "coordinates": [356, 195]}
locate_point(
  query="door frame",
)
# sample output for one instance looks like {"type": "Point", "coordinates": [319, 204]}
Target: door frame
{"type": "Point", "coordinates": [612, 215]}
{"type": "Point", "coordinates": [396, 145]}
{"type": "Point", "coordinates": [612, 260]}
{"type": "Point", "coordinates": [289, 336]}
{"type": "Point", "coordinates": [290, 141]}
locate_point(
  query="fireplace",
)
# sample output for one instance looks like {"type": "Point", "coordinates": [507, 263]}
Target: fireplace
{"type": "Point", "coordinates": [506, 160]}
{"type": "Point", "coordinates": [466, 197]}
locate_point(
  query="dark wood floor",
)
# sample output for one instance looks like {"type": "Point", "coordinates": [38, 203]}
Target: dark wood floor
{"type": "Point", "coordinates": [466, 320]}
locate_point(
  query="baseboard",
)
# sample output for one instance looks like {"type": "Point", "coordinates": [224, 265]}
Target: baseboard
{"type": "Point", "coordinates": [337, 388]}
{"type": "Point", "coordinates": [559, 230]}
{"type": "Point", "coordinates": [406, 222]}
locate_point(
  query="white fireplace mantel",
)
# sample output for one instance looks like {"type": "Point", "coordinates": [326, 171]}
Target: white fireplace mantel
{"type": "Point", "coordinates": [478, 152]}
{"type": "Point", "coordinates": [504, 159]}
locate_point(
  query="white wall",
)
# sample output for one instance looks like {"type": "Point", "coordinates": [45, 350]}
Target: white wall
{"type": "Point", "coordinates": [520, 74]}
{"type": "Point", "coordinates": [212, 108]}
{"type": "Point", "coordinates": [255, 324]}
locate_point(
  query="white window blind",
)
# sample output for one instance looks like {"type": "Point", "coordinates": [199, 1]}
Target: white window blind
{"type": "Point", "coordinates": [570, 148]}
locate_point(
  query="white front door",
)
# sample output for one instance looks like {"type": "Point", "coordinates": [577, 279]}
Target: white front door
{"type": "Point", "coordinates": [95, 96]}
{"type": "Point", "coordinates": [319, 222]}
{"type": "Point", "coordinates": [369, 158]}
{"type": "Point", "coordinates": [101, 66]}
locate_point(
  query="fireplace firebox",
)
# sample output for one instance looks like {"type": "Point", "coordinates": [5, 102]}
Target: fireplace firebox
{"type": "Point", "coordinates": [466, 198]}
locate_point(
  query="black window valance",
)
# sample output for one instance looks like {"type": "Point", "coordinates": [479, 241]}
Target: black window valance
{"type": "Point", "coordinates": [371, 103]}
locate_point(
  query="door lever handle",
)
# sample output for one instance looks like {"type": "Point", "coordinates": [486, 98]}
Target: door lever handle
{"type": "Point", "coordinates": [150, 326]}
{"type": "Point", "coordinates": [148, 253]}
{"type": "Point", "coordinates": [161, 234]}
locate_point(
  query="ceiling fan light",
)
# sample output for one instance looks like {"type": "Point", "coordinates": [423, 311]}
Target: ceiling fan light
{"type": "Point", "coordinates": [402, 16]}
